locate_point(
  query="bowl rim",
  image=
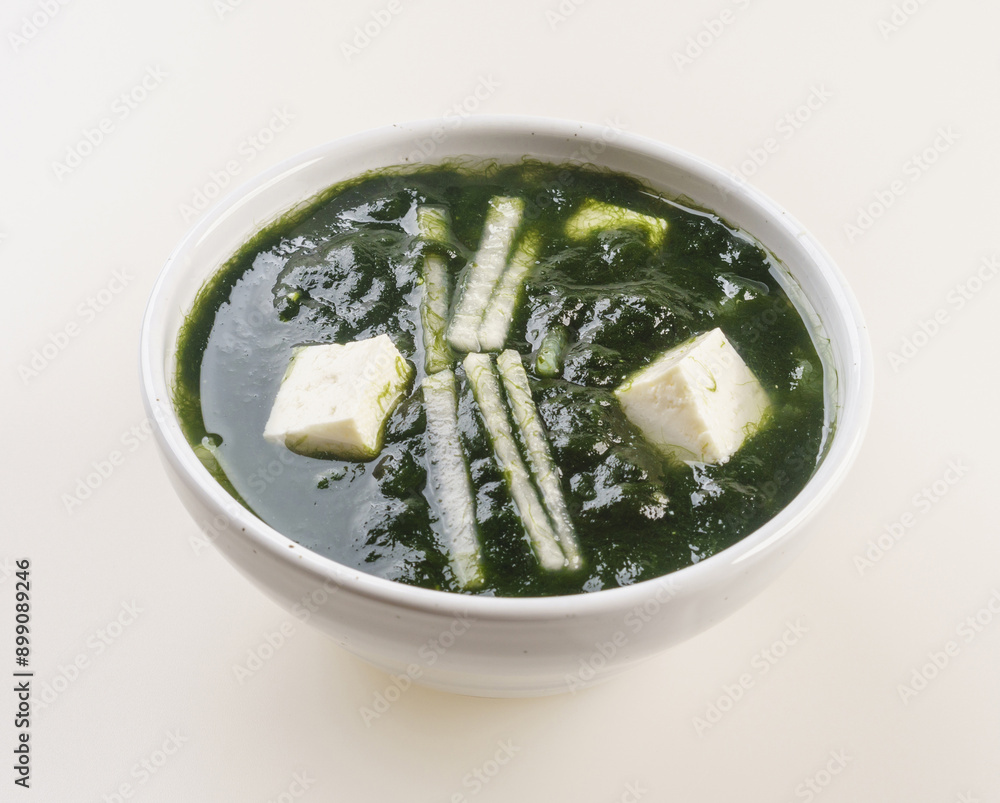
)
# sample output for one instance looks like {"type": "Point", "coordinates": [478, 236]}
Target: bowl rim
{"type": "Point", "coordinates": [851, 420]}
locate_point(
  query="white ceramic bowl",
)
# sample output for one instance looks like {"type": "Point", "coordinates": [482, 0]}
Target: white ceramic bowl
{"type": "Point", "coordinates": [505, 646]}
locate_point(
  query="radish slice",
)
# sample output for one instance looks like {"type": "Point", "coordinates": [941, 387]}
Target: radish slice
{"type": "Point", "coordinates": [486, 389]}
{"type": "Point", "coordinates": [497, 318]}
{"type": "Point", "coordinates": [547, 477]}
{"type": "Point", "coordinates": [434, 224]}
{"type": "Point", "coordinates": [484, 271]}
{"type": "Point", "coordinates": [596, 216]}
{"type": "Point", "coordinates": [448, 479]}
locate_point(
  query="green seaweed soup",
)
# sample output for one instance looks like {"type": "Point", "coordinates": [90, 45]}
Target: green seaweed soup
{"type": "Point", "coordinates": [347, 267]}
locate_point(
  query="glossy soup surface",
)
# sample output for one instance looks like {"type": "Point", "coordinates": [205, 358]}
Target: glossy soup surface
{"type": "Point", "coordinates": [348, 268]}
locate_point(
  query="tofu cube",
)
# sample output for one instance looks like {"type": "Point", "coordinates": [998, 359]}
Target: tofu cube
{"type": "Point", "coordinates": [697, 401]}
{"type": "Point", "coordinates": [334, 399]}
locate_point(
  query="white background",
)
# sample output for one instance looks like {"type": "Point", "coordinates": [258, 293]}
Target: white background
{"type": "Point", "coordinates": [884, 85]}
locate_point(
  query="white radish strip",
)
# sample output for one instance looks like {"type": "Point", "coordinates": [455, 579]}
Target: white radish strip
{"type": "Point", "coordinates": [486, 389]}
{"type": "Point", "coordinates": [595, 215]}
{"type": "Point", "coordinates": [485, 269]}
{"type": "Point", "coordinates": [448, 482]}
{"type": "Point", "coordinates": [434, 223]}
{"type": "Point", "coordinates": [498, 316]}
{"type": "Point", "coordinates": [434, 314]}
{"type": "Point", "coordinates": [528, 421]}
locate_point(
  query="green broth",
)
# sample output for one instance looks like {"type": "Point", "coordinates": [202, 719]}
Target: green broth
{"type": "Point", "coordinates": [346, 267]}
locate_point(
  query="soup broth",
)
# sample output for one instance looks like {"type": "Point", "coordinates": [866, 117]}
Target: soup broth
{"type": "Point", "coordinates": [600, 299]}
